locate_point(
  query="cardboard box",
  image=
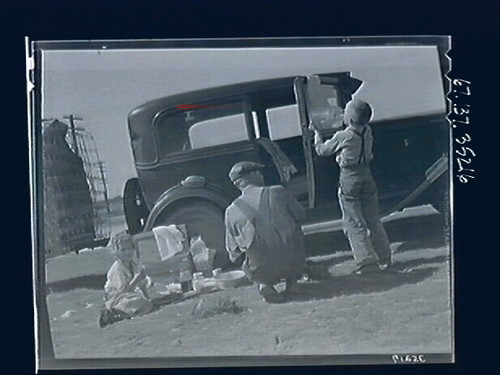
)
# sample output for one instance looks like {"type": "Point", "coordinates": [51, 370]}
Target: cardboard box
{"type": "Point", "coordinates": [168, 270]}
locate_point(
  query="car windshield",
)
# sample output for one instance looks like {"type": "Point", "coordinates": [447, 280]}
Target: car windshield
{"type": "Point", "coordinates": [200, 127]}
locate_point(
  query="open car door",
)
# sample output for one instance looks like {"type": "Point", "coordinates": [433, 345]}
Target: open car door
{"type": "Point", "coordinates": [321, 100]}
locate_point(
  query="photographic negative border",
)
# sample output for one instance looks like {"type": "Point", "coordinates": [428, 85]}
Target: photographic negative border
{"type": "Point", "coordinates": [45, 353]}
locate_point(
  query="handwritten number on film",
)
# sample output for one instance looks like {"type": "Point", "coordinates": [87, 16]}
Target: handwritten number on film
{"type": "Point", "coordinates": [460, 117]}
{"type": "Point", "coordinates": [409, 358]}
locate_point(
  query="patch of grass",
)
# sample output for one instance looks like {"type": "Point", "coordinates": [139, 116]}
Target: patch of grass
{"type": "Point", "coordinates": [221, 306]}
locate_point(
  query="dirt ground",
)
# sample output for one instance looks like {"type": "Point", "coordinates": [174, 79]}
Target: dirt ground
{"type": "Point", "coordinates": [407, 310]}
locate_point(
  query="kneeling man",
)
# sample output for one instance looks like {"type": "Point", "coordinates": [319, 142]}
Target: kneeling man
{"type": "Point", "coordinates": [262, 226]}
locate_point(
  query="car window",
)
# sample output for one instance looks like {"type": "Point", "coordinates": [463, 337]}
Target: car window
{"type": "Point", "coordinates": [218, 131]}
{"type": "Point", "coordinates": [200, 127]}
{"type": "Point", "coordinates": [172, 133]}
{"type": "Point", "coordinates": [323, 104]}
{"type": "Point", "coordinates": [284, 122]}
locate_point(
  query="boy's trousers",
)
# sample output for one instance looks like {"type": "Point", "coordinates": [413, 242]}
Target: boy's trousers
{"type": "Point", "coordinates": [358, 200]}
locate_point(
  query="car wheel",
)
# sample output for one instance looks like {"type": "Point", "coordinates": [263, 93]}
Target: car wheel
{"type": "Point", "coordinates": [134, 205]}
{"type": "Point", "coordinates": [201, 219]}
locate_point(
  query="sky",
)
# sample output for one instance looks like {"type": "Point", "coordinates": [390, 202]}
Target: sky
{"type": "Point", "coordinates": [103, 86]}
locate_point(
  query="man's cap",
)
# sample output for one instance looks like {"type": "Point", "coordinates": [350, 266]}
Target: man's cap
{"type": "Point", "coordinates": [242, 168]}
{"type": "Point", "coordinates": [358, 112]}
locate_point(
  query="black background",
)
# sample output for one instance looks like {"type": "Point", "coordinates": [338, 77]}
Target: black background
{"type": "Point", "coordinates": [474, 27]}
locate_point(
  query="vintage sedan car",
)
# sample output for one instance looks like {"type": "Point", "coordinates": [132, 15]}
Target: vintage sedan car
{"type": "Point", "coordinates": [184, 146]}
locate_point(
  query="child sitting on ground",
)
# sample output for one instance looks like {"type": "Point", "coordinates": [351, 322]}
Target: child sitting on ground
{"type": "Point", "coordinates": [126, 292]}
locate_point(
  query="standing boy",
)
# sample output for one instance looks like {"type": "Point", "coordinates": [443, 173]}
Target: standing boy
{"type": "Point", "coordinates": [357, 189]}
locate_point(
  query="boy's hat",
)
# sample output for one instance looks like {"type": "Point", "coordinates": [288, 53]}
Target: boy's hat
{"type": "Point", "coordinates": [357, 112]}
{"type": "Point", "coordinates": [242, 168]}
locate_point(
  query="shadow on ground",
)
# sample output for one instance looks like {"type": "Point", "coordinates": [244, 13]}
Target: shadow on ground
{"type": "Point", "coordinates": [427, 243]}
{"type": "Point", "coordinates": [408, 272]}
{"type": "Point", "coordinates": [350, 284]}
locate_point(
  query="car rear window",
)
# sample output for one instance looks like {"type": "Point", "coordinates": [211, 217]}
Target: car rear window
{"type": "Point", "coordinates": [201, 127]}
{"type": "Point", "coordinates": [218, 131]}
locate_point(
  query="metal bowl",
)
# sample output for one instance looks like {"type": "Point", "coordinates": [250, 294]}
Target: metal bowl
{"type": "Point", "coordinates": [230, 279]}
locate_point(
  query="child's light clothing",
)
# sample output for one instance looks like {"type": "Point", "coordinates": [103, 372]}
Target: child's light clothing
{"type": "Point", "coordinates": [132, 303]}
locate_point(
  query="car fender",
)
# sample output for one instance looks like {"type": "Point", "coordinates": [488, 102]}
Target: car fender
{"type": "Point", "coordinates": [189, 189]}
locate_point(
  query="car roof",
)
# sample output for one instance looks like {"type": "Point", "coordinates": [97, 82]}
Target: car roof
{"type": "Point", "coordinates": [214, 93]}
{"type": "Point", "coordinates": [140, 119]}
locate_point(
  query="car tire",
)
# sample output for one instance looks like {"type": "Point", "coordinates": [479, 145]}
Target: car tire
{"type": "Point", "coordinates": [134, 205]}
{"type": "Point", "coordinates": [204, 219]}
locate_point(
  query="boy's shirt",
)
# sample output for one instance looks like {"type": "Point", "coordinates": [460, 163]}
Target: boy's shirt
{"type": "Point", "coordinates": [352, 146]}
